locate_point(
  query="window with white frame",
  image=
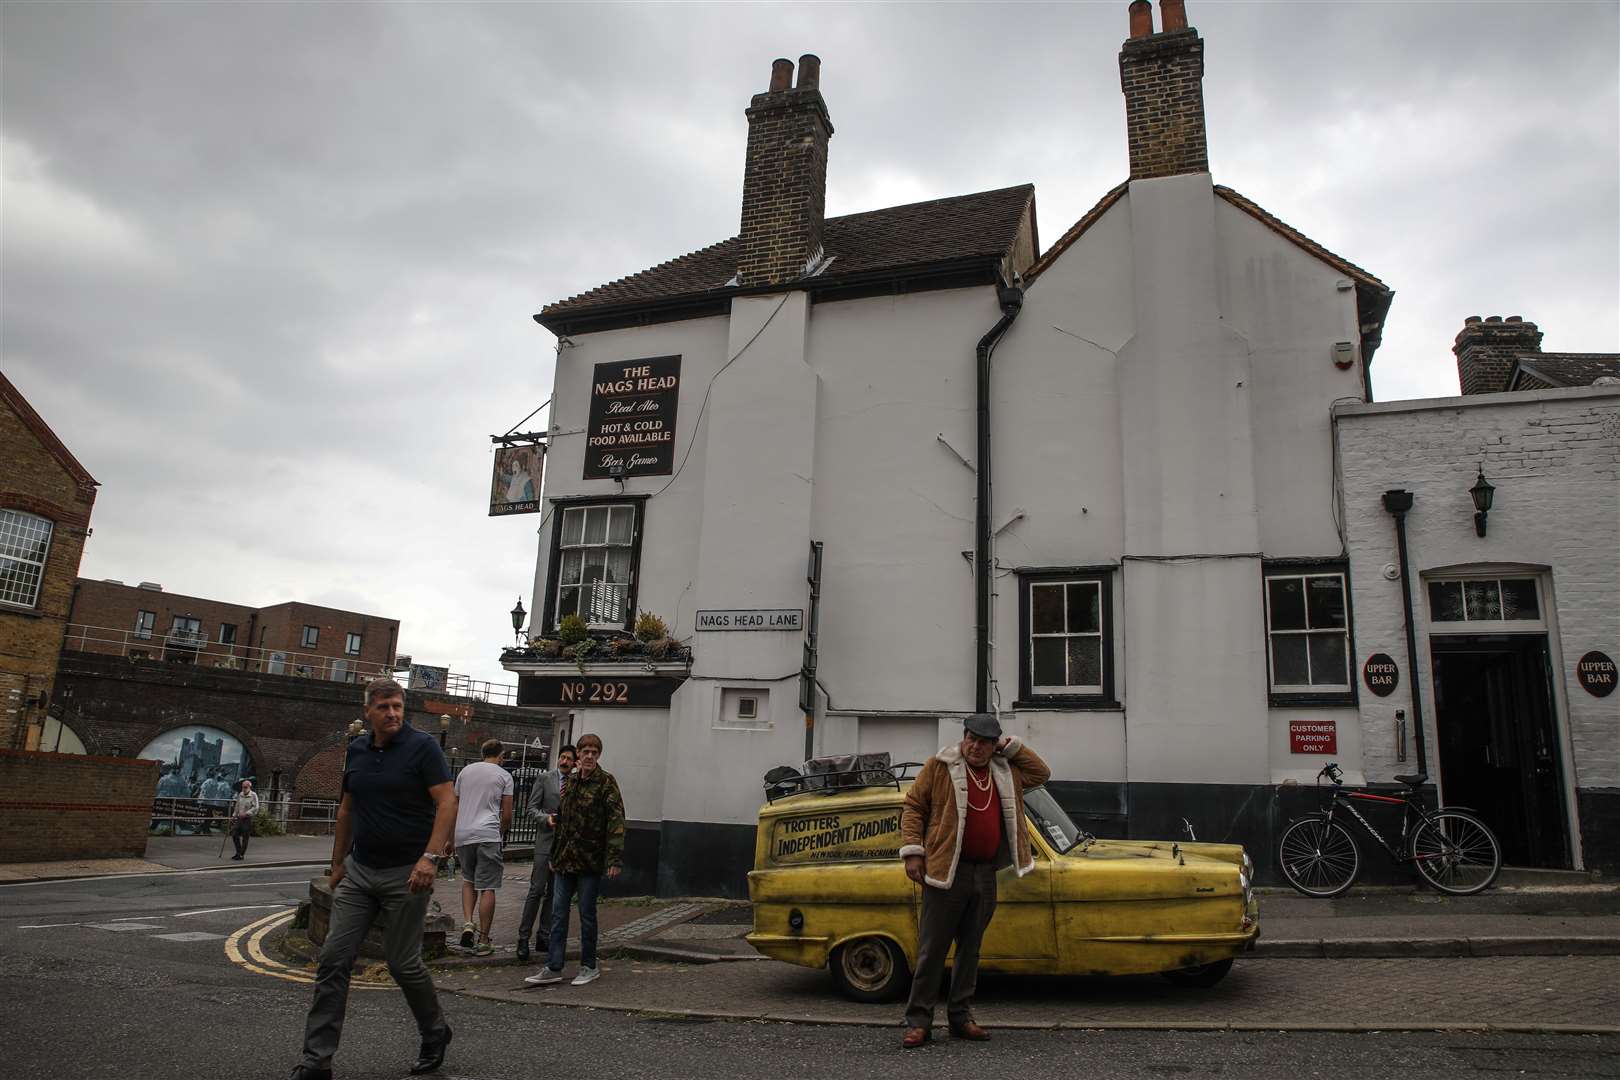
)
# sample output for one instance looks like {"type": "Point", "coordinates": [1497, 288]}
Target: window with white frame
{"type": "Point", "coordinates": [1066, 637]}
{"type": "Point", "coordinates": [596, 563]}
{"type": "Point", "coordinates": [351, 644]}
{"type": "Point", "coordinates": [1484, 600]}
{"type": "Point", "coordinates": [1308, 631]}
{"type": "Point", "coordinates": [25, 540]}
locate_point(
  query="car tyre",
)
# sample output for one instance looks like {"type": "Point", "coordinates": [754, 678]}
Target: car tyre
{"type": "Point", "coordinates": [870, 970]}
{"type": "Point", "coordinates": [1204, 976]}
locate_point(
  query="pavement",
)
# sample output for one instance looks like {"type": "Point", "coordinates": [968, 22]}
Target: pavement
{"type": "Point", "coordinates": [167, 854]}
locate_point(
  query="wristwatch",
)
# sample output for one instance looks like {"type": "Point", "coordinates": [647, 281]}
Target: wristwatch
{"type": "Point", "coordinates": [432, 858]}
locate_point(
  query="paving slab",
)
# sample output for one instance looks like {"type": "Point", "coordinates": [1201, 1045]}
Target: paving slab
{"type": "Point", "coordinates": [1522, 993]}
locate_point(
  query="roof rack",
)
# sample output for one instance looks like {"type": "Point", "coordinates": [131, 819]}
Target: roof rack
{"type": "Point", "coordinates": [842, 772]}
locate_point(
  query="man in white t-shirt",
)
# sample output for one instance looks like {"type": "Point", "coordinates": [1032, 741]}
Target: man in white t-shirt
{"type": "Point", "coordinates": [483, 814]}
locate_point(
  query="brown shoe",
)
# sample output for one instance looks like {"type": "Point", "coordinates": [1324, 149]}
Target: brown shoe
{"type": "Point", "coordinates": [915, 1037]}
{"type": "Point", "coordinates": [970, 1031]}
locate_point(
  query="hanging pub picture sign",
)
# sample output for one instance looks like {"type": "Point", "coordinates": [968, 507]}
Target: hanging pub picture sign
{"type": "Point", "coordinates": [1596, 672]}
{"type": "Point", "coordinates": [1380, 674]}
{"type": "Point", "coordinates": [632, 420]}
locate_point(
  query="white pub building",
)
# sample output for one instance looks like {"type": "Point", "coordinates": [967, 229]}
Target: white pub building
{"type": "Point", "coordinates": [1127, 491]}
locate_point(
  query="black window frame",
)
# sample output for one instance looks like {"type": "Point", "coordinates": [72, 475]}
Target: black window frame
{"type": "Point", "coordinates": [352, 643]}
{"type": "Point", "coordinates": [310, 638]}
{"type": "Point", "coordinates": [554, 563]}
{"type": "Point", "coordinates": [1312, 567]}
{"type": "Point", "coordinates": [227, 639]}
{"type": "Point", "coordinates": [144, 626]}
{"type": "Point", "coordinates": [1103, 577]}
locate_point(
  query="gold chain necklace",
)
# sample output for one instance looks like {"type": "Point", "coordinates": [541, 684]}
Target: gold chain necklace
{"type": "Point", "coordinates": [982, 786]}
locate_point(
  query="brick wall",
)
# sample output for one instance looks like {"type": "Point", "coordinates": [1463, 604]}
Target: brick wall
{"type": "Point", "coordinates": [285, 723]}
{"type": "Point", "coordinates": [784, 177]}
{"type": "Point", "coordinates": [1163, 79]}
{"type": "Point", "coordinates": [111, 606]}
{"type": "Point", "coordinates": [36, 481]}
{"type": "Point", "coordinates": [1554, 457]}
{"type": "Point", "coordinates": [1486, 349]}
{"type": "Point", "coordinates": [282, 625]}
{"type": "Point", "coordinates": [73, 806]}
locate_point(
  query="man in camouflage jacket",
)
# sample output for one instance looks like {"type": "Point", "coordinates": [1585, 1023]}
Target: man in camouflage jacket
{"type": "Point", "coordinates": [587, 845]}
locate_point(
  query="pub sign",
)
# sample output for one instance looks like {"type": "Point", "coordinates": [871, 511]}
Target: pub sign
{"type": "Point", "coordinates": [1597, 674]}
{"type": "Point", "coordinates": [631, 429]}
{"type": "Point", "coordinates": [597, 691]}
{"type": "Point", "coordinates": [1380, 674]}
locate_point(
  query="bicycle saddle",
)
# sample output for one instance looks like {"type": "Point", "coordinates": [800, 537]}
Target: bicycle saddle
{"type": "Point", "coordinates": [1415, 780]}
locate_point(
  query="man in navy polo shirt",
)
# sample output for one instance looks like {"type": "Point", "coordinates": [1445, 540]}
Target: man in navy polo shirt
{"type": "Point", "coordinates": [398, 809]}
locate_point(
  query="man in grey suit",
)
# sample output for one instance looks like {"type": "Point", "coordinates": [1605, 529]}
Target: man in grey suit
{"type": "Point", "coordinates": [544, 799]}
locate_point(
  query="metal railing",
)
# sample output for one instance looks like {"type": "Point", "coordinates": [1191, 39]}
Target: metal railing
{"type": "Point", "coordinates": [184, 646]}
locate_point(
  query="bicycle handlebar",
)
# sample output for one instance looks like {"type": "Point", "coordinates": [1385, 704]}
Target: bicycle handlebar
{"type": "Point", "coordinates": [1332, 771]}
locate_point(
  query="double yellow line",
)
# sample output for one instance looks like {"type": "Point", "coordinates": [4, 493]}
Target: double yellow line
{"type": "Point", "coordinates": [245, 949]}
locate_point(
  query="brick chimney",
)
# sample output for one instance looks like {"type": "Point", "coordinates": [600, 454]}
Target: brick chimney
{"type": "Point", "coordinates": [1486, 349]}
{"type": "Point", "coordinates": [1163, 78]}
{"type": "Point", "coordinates": [785, 176]}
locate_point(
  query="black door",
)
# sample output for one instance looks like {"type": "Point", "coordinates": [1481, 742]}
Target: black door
{"type": "Point", "coordinates": [1499, 750]}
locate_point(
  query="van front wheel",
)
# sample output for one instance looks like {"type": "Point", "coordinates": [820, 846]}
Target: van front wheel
{"type": "Point", "coordinates": [870, 969]}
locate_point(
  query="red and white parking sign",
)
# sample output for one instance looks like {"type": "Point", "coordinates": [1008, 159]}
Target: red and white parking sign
{"type": "Point", "coordinates": [1313, 737]}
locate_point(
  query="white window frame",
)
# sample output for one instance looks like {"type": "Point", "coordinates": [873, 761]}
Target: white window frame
{"type": "Point", "coordinates": [351, 644]}
{"type": "Point", "coordinates": [1346, 687]}
{"type": "Point", "coordinates": [1465, 625]}
{"type": "Point", "coordinates": [17, 525]}
{"type": "Point", "coordinates": [1101, 634]}
{"type": "Point", "coordinates": [563, 548]}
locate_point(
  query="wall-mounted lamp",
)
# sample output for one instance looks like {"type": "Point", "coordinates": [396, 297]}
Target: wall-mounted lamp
{"type": "Point", "coordinates": [617, 471]}
{"type": "Point", "coordinates": [518, 615]}
{"type": "Point", "coordinates": [444, 728]}
{"type": "Point", "coordinates": [1481, 493]}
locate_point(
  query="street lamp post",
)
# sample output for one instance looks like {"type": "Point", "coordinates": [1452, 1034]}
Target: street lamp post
{"type": "Point", "coordinates": [518, 615]}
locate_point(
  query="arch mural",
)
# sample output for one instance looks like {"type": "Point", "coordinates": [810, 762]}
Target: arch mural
{"type": "Point", "coordinates": [199, 763]}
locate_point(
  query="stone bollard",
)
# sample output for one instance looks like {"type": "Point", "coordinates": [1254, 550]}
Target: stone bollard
{"type": "Point", "coordinates": [436, 928]}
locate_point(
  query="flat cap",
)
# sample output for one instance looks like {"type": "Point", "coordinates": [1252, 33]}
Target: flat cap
{"type": "Point", "coordinates": [983, 724]}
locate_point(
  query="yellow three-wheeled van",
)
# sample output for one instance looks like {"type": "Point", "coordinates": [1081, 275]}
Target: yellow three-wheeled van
{"type": "Point", "coordinates": [829, 890]}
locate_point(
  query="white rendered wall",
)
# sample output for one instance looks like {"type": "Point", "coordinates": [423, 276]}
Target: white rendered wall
{"type": "Point", "coordinates": [1554, 457]}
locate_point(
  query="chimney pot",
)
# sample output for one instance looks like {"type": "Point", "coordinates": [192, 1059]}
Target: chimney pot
{"type": "Point", "coordinates": [1515, 318]}
{"type": "Point", "coordinates": [809, 72]}
{"type": "Point", "coordinates": [1471, 320]}
{"type": "Point", "coordinates": [1172, 15]}
{"type": "Point", "coordinates": [781, 74]}
{"type": "Point", "coordinates": [1493, 318]}
{"type": "Point", "coordinates": [1486, 350]}
{"type": "Point", "coordinates": [1141, 19]}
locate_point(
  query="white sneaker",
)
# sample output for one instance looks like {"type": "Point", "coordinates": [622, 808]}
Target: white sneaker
{"type": "Point", "coordinates": [544, 977]}
{"type": "Point", "coordinates": [586, 975]}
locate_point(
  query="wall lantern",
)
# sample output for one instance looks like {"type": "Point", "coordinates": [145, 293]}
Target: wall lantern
{"type": "Point", "coordinates": [518, 615]}
{"type": "Point", "coordinates": [444, 728]}
{"type": "Point", "coordinates": [1481, 493]}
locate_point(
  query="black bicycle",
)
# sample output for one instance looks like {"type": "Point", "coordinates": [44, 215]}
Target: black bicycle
{"type": "Point", "coordinates": [1452, 849]}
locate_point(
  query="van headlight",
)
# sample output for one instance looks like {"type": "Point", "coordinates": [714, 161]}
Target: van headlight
{"type": "Point", "coordinates": [1246, 878]}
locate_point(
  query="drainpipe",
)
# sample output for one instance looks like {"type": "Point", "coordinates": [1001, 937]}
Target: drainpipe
{"type": "Point", "coordinates": [1011, 298]}
{"type": "Point", "coordinates": [1398, 501]}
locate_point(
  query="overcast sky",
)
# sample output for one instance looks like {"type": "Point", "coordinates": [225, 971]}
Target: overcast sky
{"type": "Point", "coordinates": [269, 269]}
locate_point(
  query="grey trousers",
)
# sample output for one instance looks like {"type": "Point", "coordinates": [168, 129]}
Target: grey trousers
{"type": "Point", "coordinates": [958, 914]}
{"type": "Point", "coordinates": [362, 895]}
{"type": "Point", "coordinates": [538, 901]}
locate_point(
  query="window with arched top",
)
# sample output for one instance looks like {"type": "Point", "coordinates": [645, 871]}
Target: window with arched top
{"type": "Point", "coordinates": [25, 540]}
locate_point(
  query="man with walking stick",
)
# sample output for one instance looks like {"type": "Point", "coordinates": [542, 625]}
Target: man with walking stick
{"type": "Point", "coordinates": [243, 807]}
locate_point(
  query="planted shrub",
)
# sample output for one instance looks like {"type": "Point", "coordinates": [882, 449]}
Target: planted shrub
{"type": "Point", "coordinates": [650, 627]}
{"type": "Point", "coordinates": [572, 630]}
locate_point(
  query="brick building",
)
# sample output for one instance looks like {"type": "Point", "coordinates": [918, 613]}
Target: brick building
{"type": "Point", "coordinates": [1496, 354]}
{"type": "Point", "coordinates": [145, 622]}
{"type": "Point", "coordinates": [46, 497]}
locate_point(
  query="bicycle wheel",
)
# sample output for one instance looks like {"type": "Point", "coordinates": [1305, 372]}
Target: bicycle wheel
{"type": "Point", "coordinates": [1318, 857]}
{"type": "Point", "coordinates": [1456, 853]}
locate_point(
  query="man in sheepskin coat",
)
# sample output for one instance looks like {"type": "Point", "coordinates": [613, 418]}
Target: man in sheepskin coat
{"type": "Point", "coordinates": [963, 821]}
